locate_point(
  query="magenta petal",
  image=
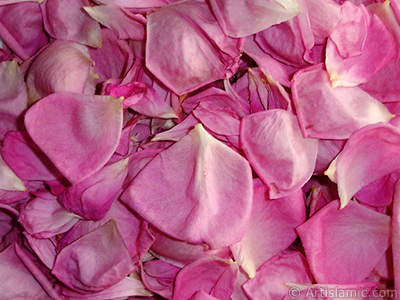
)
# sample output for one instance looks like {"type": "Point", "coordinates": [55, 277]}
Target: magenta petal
{"type": "Point", "coordinates": [9, 181]}
{"type": "Point", "coordinates": [78, 133]}
{"type": "Point", "coordinates": [44, 217]}
{"type": "Point", "coordinates": [277, 150]}
{"type": "Point", "coordinates": [214, 276]}
{"type": "Point", "coordinates": [369, 154]}
{"type": "Point", "coordinates": [241, 19]}
{"type": "Point", "coordinates": [270, 230]}
{"type": "Point", "coordinates": [344, 245]}
{"type": "Point", "coordinates": [71, 24]}
{"type": "Point", "coordinates": [61, 66]}
{"type": "Point", "coordinates": [16, 281]}
{"type": "Point", "coordinates": [396, 235]}
{"type": "Point", "coordinates": [94, 262]}
{"type": "Point", "coordinates": [202, 52]}
{"type": "Point", "coordinates": [92, 197]}
{"type": "Point", "coordinates": [200, 191]}
{"type": "Point", "coordinates": [202, 295]}
{"type": "Point", "coordinates": [341, 110]}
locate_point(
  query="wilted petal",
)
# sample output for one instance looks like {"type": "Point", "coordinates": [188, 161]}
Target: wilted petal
{"type": "Point", "coordinates": [214, 276]}
{"type": "Point", "coordinates": [44, 217]}
{"type": "Point", "coordinates": [92, 197]}
{"type": "Point", "coordinates": [71, 24]}
{"type": "Point", "coordinates": [200, 191]}
{"type": "Point", "coordinates": [124, 23]}
{"type": "Point", "coordinates": [369, 154]}
{"type": "Point", "coordinates": [270, 230]}
{"type": "Point", "coordinates": [240, 19]}
{"type": "Point", "coordinates": [201, 51]}
{"type": "Point", "coordinates": [344, 245]}
{"type": "Point", "coordinates": [332, 113]}
{"type": "Point", "coordinates": [62, 66]}
{"type": "Point", "coordinates": [277, 150]}
{"type": "Point", "coordinates": [94, 262]}
{"type": "Point", "coordinates": [78, 133]}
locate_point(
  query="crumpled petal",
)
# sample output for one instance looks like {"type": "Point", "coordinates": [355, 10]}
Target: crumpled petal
{"type": "Point", "coordinates": [270, 279]}
{"type": "Point", "coordinates": [202, 52]}
{"type": "Point", "coordinates": [92, 197]}
{"type": "Point", "coordinates": [358, 49]}
{"type": "Point", "coordinates": [213, 275]}
{"type": "Point", "coordinates": [94, 262]}
{"type": "Point", "coordinates": [124, 23]}
{"type": "Point", "coordinates": [332, 113]}
{"type": "Point", "coordinates": [270, 230]}
{"type": "Point", "coordinates": [241, 19]}
{"type": "Point", "coordinates": [79, 133]}
{"type": "Point", "coordinates": [277, 150]}
{"type": "Point", "coordinates": [344, 245]}
{"type": "Point", "coordinates": [44, 217]}
{"type": "Point", "coordinates": [62, 66]}
{"type": "Point", "coordinates": [369, 154]}
{"type": "Point", "coordinates": [200, 191]}
{"type": "Point", "coordinates": [71, 24]}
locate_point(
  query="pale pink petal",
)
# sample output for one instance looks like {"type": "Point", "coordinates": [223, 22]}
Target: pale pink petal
{"type": "Point", "coordinates": [62, 66]}
{"type": "Point", "coordinates": [271, 278]}
{"type": "Point", "coordinates": [44, 217]}
{"type": "Point", "coordinates": [271, 228]}
{"type": "Point", "coordinates": [213, 275]}
{"type": "Point", "coordinates": [277, 150]}
{"type": "Point", "coordinates": [344, 245]}
{"type": "Point", "coordinates": [327, 151]}
{"type": "Point", "coordinates": [200, 191]}
{"type": "Point", "coordinates": [8, 179]}
{"type": "Point", "coordinates": [44, 248]}
{"type": "Point", "coordinates": [369, 154]}
{"type": "Point", "coordinates": [332, 113]}
{"type": "Point", "coordinates": [121, 21]}
{"type": "Point", "coordinates": [202, 52]}
{"type": "Point", "coordinates": [78, 133]}
{"type": "Point", "coordinates": [113, 59]}
{"type": "Point", "coordinates": [376, 48]}
{"type": "Point", "coordinates": [241, 19]}
{"type": "Point", "coordinates": [71, 24]}
{"type": "Point", "coordinates": [94, 262]}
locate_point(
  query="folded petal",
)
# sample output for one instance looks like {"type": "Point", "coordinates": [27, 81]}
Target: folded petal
{"type": "Point", "coordinates": [94, 262]}
{"type": "Point", "coordinates": [202, 52]}
{"type": "Point", "coordinates": [8, 179]}
{"type": "Point", "coordinates": [200, 191]}
{"type": "Point", "coordinates": [344, 245]}
{"type": "Point", "coordinates": [332, 113]}
{"type": "Point", "coordinates": [277, 150]}
{"type": "Point", "coordinates": [62, 66]}
{"type": "Point", "coordinates": [214, 276]}
{"type": "Point", "coordinates": [369, 154]}
{"type": "Point", "coordinates": [78, 133]}
{"type": "Point", "coordinates": [71, 24]}
{"type": "Point", "coordinates": [240, 19]}
{"type": "Point", "coordinates": [271, 229]}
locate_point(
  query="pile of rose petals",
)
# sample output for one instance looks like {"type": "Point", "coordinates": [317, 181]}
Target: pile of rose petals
{"type": "Point", "coordinates": [199, 149]}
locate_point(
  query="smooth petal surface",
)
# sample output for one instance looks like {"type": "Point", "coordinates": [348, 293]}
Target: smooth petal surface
{"type": "Point", "coordinates": [200, 191]}
{"type": "Point", "coordinates": [62, 66]}
{"type": "Point", "coordinates": [270, 230]}
{"type": "Point", "coordinates": [214, 276]}
{"type": "Point", "coordinates": [202, 52]}
{"type": "Point", "coordinates": [71, 24]}
{"type": "Point", "coordinates": [241, 19]}
{"type": "Point", "coordinates": [94, 262]}
{"type": "Point", "coordinates": [78, 133]}
{"type": "Point", "coordinates": [370, 154]}
{"type": "Point", "coordinates": [344, 245]}
{"type": "Point", "coordinates": [277, 150]}
{"type": "Point", "coordinates": [332, 113]}
{"type": "Point", "coordinates": [8, 179]}
{"type": "Point", "coordinates": [395, 225]}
